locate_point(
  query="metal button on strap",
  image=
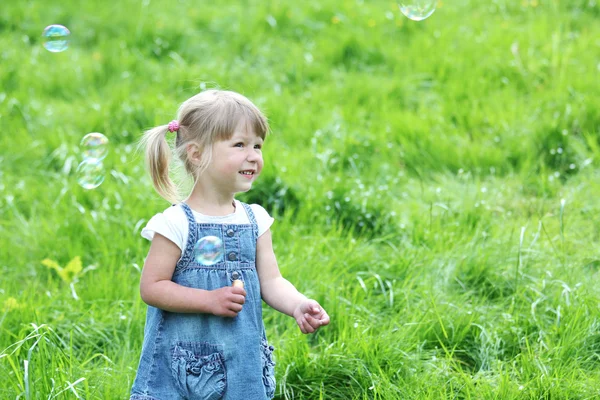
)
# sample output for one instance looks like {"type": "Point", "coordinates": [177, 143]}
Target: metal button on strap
{"type": "Point", "coordinates": [230, 232]}
{"type": "Point", "coordinates": [232, 257]}
{"type": "Point", "coordinates": [235, 275]}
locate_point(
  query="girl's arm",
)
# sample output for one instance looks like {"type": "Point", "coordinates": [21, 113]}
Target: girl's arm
{"type": "Point", "coordinates": [280, 294]}
{"type": "Point", "coordinates": [158, 290]}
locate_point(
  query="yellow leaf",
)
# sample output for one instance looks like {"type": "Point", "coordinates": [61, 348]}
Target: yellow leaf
{"type": "Point", "coordinates": [74, 265]}
{"type": "Point", "coordinates": [11, 304]}
{"type": "Point", "coordinates": [51, 264]}
{"type": "Point", "coordinates": [68, 273]}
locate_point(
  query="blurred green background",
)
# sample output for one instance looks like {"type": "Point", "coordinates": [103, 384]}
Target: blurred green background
{"type": "Point", "coordinates": [435, 186]}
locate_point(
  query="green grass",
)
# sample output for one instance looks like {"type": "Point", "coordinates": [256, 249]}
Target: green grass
{"type": "Point", "coordinates": [435, 185]}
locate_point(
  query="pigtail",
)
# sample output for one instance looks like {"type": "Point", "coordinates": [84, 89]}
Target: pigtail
{"type": "Point", "coordinates": [158, 159]}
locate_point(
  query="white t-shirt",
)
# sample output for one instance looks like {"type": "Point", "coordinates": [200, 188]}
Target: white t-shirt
{"type": "Point", "coordinates": [173, 224]}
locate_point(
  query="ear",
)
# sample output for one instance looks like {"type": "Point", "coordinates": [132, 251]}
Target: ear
{"type": "Point", "coordinates": [194, 154]}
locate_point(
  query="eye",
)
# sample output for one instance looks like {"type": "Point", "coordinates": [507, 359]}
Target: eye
{"type": "Point", "coordinates": [238, 144]}
{"type": "Point", "coordinates": [258, 146]}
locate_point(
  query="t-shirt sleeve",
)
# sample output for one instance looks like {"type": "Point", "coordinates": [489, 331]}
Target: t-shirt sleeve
{"type": "Point", "coordinates": [263, 219]}
{"type": "Point", "coordinates": [169, 225]}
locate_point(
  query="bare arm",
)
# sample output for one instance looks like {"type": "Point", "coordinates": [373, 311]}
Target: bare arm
{"type": "Point", "coordinates": [280, 294]}
{"type": "Point", "coordinates": [158, 290]}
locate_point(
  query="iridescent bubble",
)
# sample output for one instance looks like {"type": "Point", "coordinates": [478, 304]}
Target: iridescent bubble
{"type": "Point", "coordinates": [90, 173]}
{"type": "Point", "coordinates": [417, 10]}
{"type": "Point", "coordinates": [56, 38]}
{"type": "Point", "coordinates": [95, 146]}
{"type": "Point", "coordinates": [208, 250]}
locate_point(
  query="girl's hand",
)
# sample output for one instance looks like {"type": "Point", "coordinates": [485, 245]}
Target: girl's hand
{"type": "Point", "coordinates": [310, 316]}
{"type": "Point", "coordinates": [227, 301]}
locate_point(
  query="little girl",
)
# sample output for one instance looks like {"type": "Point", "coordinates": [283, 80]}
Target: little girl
{"type": "Point", "coordinates": [204, 336]}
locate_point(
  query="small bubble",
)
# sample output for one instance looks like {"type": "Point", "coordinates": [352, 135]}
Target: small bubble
{"type": "Point", "coordinates": [559, 150]}
{"type": "Point", "coordinates": [90, 173]}
{"type": "Point", "coordinates": [572, 166]}
{"type": "Point", "coordinates": [94, 145]}
{"type": "Point", "coordinates": [208, 250]}
{"type": "Point", "coordinates": [56, 38]}
{"type": "Point", "coordinates": [417, 10]}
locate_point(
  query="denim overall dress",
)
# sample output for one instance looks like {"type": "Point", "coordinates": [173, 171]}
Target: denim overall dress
{"type": "Point", "coordinates": [204, 356]}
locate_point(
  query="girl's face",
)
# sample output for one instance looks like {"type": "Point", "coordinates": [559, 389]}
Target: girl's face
{"type": "Point", "coordinates": [236, 162]}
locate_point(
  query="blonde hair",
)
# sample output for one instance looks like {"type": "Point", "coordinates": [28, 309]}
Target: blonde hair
{"type": "Point", "coordinates": [204, 119]}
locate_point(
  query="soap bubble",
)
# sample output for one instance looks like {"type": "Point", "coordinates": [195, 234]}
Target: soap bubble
{"type": "Point", "coordinates": [56, 38]}
{"type": "Point", "coordinates": [94, 145]}
{"type": "Point", "coordinates": [90, 173]}
{"type": "Point", "coordinates": [417, 10]}
{"type": "Point", "coordinates": [208, 250]}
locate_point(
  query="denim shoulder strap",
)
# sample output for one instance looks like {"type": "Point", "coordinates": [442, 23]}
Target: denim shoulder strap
{"type": "Point", "coordinates": [252, 219]}
{"type": "Point", "coordinates": [188, 251]}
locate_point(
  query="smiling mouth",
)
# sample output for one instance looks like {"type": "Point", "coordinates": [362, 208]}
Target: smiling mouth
{"type": "Point", "coordinates": [247, 172]}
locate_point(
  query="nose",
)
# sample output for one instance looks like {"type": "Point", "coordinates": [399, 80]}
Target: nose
{"type": "Point", "coordinates": [253, 156]}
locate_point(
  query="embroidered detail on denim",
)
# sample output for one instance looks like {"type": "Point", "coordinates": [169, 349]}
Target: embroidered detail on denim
{"type": "Point", "coordinates": [268, 368]}
{"type": "Point", "coordinates": [199, 370]}
{"type": "Point", "coordinates": [142, 397]}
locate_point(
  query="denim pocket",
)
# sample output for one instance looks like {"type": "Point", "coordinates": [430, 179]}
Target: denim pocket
{"type": "Point", "coordinates": [268, 368]}
{"type": "Point", "coordinates": [198, 370]}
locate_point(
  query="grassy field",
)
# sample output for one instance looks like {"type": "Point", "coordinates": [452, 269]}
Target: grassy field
{"type": "Point", "coordinates": [435, 186]}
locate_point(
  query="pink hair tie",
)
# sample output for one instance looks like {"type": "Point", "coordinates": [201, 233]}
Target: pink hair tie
{"type": "Point", "coordinates": [173, 126]}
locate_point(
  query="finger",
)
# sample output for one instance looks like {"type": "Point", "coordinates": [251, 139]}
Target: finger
{"type": "Point", "coordinates": [324, 319]}
{"type": "Point", "coordinates": [310, 306]}
{"type": "Point", "coordinates": [313, 322]}
{"type": "Point", "coordinates": [238, 299]}
{"type": "Point", "coordinates": [308, 325]}
{"type": "Point", "coordinates": [238, 290]}
{"type": "Point", "coordinates": [301, 325]}
{"type": "Point", "coordinates": [235, 307]}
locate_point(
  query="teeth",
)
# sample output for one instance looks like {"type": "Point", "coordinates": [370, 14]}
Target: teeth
{"type": "Point", "coordinates": [246, 172]}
